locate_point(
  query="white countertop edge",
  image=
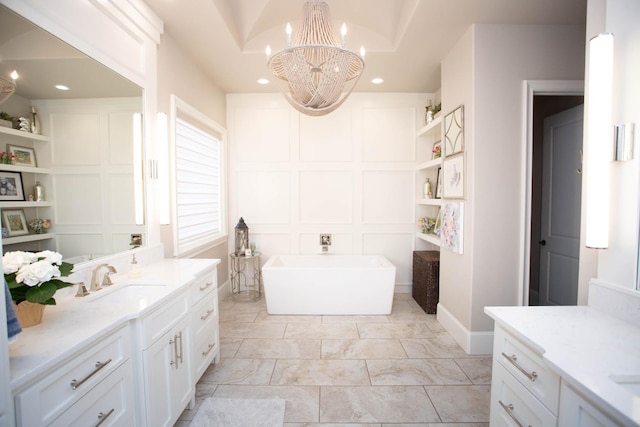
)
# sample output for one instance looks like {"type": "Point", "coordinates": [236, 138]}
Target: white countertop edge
{"type": "Point", "coordinates": [559, 333]}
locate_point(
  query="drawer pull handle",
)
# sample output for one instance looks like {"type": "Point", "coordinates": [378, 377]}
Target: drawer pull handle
{"type": "Point", "coordinates": [204, 288]}
{"type": "Point", "coordinates": [99, 365]}
{"type": "Point", "coordinates": [509, 410]}
{"type": "Point", "coordinates": [210, 347]}
{"type": "Point", "coordinates": [531, 375]}
{"type": "Point", "coordinates": [102, 416]}
{"type": "Point", "coordinates": [205, 316]}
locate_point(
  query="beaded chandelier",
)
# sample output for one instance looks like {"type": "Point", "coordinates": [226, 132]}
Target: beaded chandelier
{"type": "Point", "coordinates": [316, 72]}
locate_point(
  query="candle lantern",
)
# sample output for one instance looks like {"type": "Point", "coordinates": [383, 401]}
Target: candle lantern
{"type": "Point", "coordinates": [242, 238]}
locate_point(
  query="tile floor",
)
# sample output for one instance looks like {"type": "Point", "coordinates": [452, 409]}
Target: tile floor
{"type": "Point", "coordinates": [403, 369]}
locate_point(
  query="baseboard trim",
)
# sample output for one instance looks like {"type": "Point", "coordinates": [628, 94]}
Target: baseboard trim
{"type": "Point", "coordinates": [471, 342]}
{"type": "Point", "coordinates": [402, 289]}
{"type": "Point", "coordinates": [224, 290]}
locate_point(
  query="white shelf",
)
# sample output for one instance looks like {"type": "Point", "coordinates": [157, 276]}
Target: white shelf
{"type": "Point", "coordinates": [432, 129]}
{"type": "Point", "coordinates": [18, 204]}
{"type": "Point", "coordinates": [27, 238]}
{"type": "Point", "coordinates": [435, 163]}
{"type": "Point", "coordinates": [29, 169]}
{"type": "Point", "coordinates": [21, 134]}
{"type": "Point", "coordinates": [430, 202]}
{"type": "Point", "coordinates": [430, 238]}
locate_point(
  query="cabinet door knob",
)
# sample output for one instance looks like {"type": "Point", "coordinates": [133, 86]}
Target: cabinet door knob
{"type": "Point", "coordinates": [542, 242]}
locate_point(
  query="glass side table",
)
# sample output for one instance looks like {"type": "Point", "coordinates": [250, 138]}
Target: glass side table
{"type": "Point", "coordinates": [245, 275]}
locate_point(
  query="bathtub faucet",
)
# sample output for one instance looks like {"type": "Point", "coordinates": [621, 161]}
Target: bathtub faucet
{"type": "Point", "coordinates": [325, 249]}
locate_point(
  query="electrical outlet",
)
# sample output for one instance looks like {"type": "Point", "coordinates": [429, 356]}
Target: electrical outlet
{"type": "Point", "coordinates": [136, 240]}
{"type": "Point", "coordinates": [325, 239]}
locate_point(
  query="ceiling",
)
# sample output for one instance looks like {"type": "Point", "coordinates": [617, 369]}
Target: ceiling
{"type": "Point", "coordinates": [405, 40]}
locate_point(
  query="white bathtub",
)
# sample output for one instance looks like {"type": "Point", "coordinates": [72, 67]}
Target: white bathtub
{"type": "Point", "coordinates": [329, 284]}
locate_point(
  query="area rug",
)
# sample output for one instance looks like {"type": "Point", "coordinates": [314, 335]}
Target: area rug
{"type": "Point", "coordinates": [239, 413]}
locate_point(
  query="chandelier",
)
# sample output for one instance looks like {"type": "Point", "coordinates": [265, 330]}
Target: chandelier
{"type": "Point", "coordinates": [316, 73]}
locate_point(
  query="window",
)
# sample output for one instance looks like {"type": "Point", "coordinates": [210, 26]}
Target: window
{"type": "Point", "coordinates": [198, 180]}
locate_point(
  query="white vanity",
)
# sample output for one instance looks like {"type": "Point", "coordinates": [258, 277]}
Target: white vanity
{"type": "Point", "coordinates": [564, 366]}
{"type": "Point", "coordinates": [126, 355]}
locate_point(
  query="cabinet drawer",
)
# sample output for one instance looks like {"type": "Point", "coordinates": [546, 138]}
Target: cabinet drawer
{"type": "Point", "coordinates": [205, 312]}
{"type": "Point", "coordinates": [110, 403]}
{"type": "Point", "coordinates": [204, 285]}
{"type": "Point", "coordinates": [528, 368]}
{"type": "Point", "coordinates": [207, 349]}
{"type": "Point", "coordinates": [511, 401]}
{"type": "Point", "coordinates": [45, 400]}
{"type": "Point", "coordinates": [164, 318]}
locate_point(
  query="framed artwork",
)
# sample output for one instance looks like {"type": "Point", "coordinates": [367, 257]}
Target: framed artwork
{"type": "Point", "coordinates": [451, 227]}
{"type": "Point", "coordinates": [438, 194]}
{"type": "Point", "coordinates": [436, 152]}
{"type": "Point", "coordinates": [454, 132]}
{"type": "Point", "coordinates": [453, 177]}
{"type": "Point", "coordinates": [25, 156]}
{"type": "Point", "coordinates": [15, 222]}
{"type": "Point", "coordinates": [11, 186]}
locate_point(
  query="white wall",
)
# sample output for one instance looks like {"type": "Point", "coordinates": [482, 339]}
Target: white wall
{"type": "Point", "coordinates": [350, 173]}
{"type": "Point", "coordinates": [617, 265]}
{"type": "Point", "coordinates": [485, 71]}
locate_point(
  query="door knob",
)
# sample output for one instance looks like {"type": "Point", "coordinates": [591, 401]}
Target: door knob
{"type": "Point", "coordinates": [542, 242]}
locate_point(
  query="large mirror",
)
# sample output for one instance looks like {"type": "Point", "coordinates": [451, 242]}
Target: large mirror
{"type": "Point", "coordinates": [89, 157]}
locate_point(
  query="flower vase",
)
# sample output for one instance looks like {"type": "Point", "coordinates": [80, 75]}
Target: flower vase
{"type": "Point", "coordinates": [29, 314]}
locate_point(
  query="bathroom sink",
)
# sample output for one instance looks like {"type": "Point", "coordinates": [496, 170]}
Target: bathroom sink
{"type": "Point", "coordinates": [630, 382]}
{"type": "Point", "coordinates": [133, 292]}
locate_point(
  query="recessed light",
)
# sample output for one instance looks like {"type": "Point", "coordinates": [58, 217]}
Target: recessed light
{"type": "Point", "coordinates": [263, 81]}
{"type": "Point", "coordinates": [62, 87]}
{"type": "Point", "coordinates": [377, 81]}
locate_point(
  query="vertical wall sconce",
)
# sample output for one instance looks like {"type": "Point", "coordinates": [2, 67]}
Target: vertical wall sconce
{"type": "Point", "coordinates": [163, 166]}
{"type": "Point", "coordinates": [138, 186]}
{"type": "Point", "coordinates": [623, 142]}
{"type": "Point", "coordinates": [599, 140]}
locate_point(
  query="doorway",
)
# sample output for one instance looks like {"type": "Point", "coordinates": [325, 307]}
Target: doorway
{"type": "Point", "coordinates": [555, 194]}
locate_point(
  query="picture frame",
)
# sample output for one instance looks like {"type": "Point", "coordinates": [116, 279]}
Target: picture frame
{"type": "Point", "coordinates": [436, 151]}
{"type": "Point", "coordinates": [25, 156]}
{"type": "Point", "coordinates": [451, 229]}
{"type": "Point", "coordinates": [454, 132]}
{"type": "Point", "coordinates": [453, 177]}
{"type": "Point", "coordinates": [15, 222]}
{"type": "Point", "coordinates": [438, 193]}
{"type": "Point", "coordinates": [11, 186]}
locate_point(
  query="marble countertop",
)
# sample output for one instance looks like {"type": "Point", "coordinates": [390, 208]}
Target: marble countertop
{"type": "Point", "coordinates": [585, 347]}
{"type": "Point", "coordinates": [74, 323]}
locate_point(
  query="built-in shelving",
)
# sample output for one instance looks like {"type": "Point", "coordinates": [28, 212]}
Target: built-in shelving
{"type": "Point", "coordinates": [430, 202]}
{"type": "Point", "coordinates": [432, 129]}
{"type": "Point", "coordinates": [22, 134]}
{"type": "Point", "coordinates": [5, 205]}
{"type": "Point", "coordinates": [429, 135]}
{"type": "Point", "coordinates": [27, 238]}
{"type": "Point", "coordinates": [431, 238]}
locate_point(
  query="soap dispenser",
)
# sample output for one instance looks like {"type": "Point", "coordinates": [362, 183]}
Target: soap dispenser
{"type": "Point", "coordinates": [135, 267]}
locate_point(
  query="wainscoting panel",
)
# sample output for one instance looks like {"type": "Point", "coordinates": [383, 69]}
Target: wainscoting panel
{"type": "Point", "coordinates": [341, 243]}
{"type": "Point", "coordinates": [326, 138]}
{"type": "Point", "coordinates": [262, 134]}
{"type": "Point", "coordinates": [388, 197]}
{"type": "Point", "coordinates": [80, 132]}
{"type": "Point", "coordinates": [263, 197]}
{"type": "Point", "coordinates": [83, 205]}
{"type": "Point", "coordinates": [326, 197]}
{"type": "Point", "coordinates": [122, 198]}
{"type": "Point", "coordinates": [398, 248]}
{"type": "Point", "coordinates": [388, 134]}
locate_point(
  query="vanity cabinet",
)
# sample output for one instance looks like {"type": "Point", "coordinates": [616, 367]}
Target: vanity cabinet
{"type": "Point", "coordinates": [524, 391]}
{"type": "Point", "coordinates": [578, 411]}
{"type": "Point", "coordinates": [204, 322]}
{"type": "Point", "coordinates": [93, 385]}
{"type": "Point", "coordinates": [166, 361]}
{"type": "Point", "coordinates": [29, 175]}
{"type": "Point", "coordinates": [428, 136]}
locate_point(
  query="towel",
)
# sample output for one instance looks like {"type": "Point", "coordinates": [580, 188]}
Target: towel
{"type": "Point", "coordinates": [13, 326]}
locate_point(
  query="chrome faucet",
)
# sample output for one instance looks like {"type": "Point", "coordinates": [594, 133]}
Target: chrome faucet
{"type": "Point", "coordinates": [106, 280]}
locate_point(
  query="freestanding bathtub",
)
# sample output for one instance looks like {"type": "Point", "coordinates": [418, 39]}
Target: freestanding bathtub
{"type": "Point", "coordinates": [329, 284]}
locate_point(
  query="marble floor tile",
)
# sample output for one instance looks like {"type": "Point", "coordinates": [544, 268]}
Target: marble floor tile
{"type": "Point", "coordinates": [240, 371]}
{"type": "Point", "coordinates": [263, 316]}
{"type": "Point", "coordinates": [302, 402]}
{"type": "Point", "coordinates": [252, 330]}
{"type": "Point", "coordinates": [322, 331]}
{"type": "Point", "coordinates": [229, 347]}
{"type": "Point", "coordinates": [432, 348]}
{"type": "Point", "coordinates": [437, 425]}
{"type": "Point", "coordinates": [244, 305]}
{"type": "Point", "coordinates": [320, 372]}
{"type": "Point", "coordinates": [478, 369]}
{"type": "Point", "coordinates": [363, 349]}
{"type": "Point", "coordinates": [394, 330]}
{"type": "Point", "coordinates": [461, 403]}
{"type": "Point", "coordinates": [409, 317]}
{"type": "Point", "coordinates": [355, 319]}
{"type": "Point", "coordinates": [383, 404]}
{"type": "Point", "coordinates": [405, 306]}
{"type": "Point", "coordinates": [203, 391]}
{"type": "Point", "coordinates": [227, 316]}
{"type": "Point", "coordinates": [253, 348]}
{"type": "Point", "coordinates": [416, 372]}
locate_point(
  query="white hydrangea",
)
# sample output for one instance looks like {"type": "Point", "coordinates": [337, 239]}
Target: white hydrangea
{"type": "Point", "coordinates": [37, 272]}
{"type": "Point", "coordinates": [12, 261]}
{"type": "Point", "coordinates": [50, 256]}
